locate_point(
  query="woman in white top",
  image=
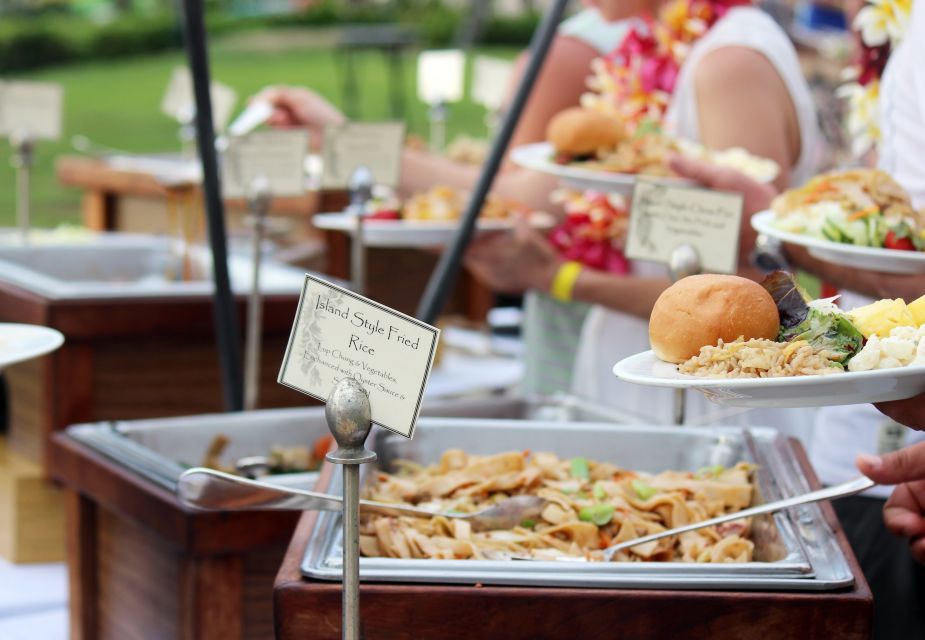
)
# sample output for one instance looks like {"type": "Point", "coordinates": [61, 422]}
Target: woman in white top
{"type": "Point", "coordinates": [741, 85]}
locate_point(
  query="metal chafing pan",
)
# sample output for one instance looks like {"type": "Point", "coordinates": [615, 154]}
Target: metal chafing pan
{"type": "Point", "coordinates": [793, 551]}
{"type": "Point", "coordinates": [161, 449]}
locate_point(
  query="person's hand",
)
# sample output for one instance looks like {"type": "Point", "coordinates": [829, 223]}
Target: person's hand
{"type": "Point", "coordinates": [514, 262]}
{"type": "Point", "coordinates": [904, 512]}
{"type": "Point", "coordinates": [756, 196]}
{"type": "Point", "coordinates": [299, 107]}
{"type": "Point", "coordinates": [910, 412]}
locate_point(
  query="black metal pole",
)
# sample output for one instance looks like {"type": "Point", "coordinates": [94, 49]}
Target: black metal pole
{"type": "Point", "coordinates": [226, 326]}
{"type": "Point", "coordinates": [444, 275]}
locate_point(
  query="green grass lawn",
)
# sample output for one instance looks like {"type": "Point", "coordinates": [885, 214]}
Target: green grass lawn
{"type": "Point", "coordinates": [117, 103]}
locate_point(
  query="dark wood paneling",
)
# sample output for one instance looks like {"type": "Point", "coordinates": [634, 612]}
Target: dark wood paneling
{"type": "Point", "coordinates": [137, 579]}
{"type": "Point", "coordinates": [82, 565]}
{"type": "Point", "coordinates": [144, 566]}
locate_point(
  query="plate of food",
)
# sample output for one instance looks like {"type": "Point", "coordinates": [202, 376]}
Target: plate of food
{"type": "Point", "coordinates": [21, 342]}
{"type": "Point", "coordinates": [771, 346]}
{"type": "Point", "coordinates": [859, 218]}
{"type": "Point", "coordinates": [428, 219]}
{"type": "Point", "coordinates": [590, 150]}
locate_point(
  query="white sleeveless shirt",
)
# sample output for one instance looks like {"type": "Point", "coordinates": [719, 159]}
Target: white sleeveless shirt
{"type": "Point", "coordinates": [609, 336]}
{"type": "Point", "coordinates": [589, 27]}
{"type": "Point", "coordinates": [843, 432]}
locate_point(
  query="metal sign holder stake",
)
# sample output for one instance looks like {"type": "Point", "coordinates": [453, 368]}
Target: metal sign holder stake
{"type": "Point", "coordinates": [684, 261]}
{"type": "Point", "coordinates": [437, 116]}
{"type": "Point", "coordinates": [361, 190]}
{"type": "Point", "coordinates": [348, 417]}
{"type": "Point", "coordinates": [22, 160]}
{"type": "Point", "coordinates": [258, 201]}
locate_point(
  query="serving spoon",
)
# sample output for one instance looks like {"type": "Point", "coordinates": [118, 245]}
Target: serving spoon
{"type": "Point", "coordinates": [217, 491]}
{"type": "Point", "coordinates": [849, 488]}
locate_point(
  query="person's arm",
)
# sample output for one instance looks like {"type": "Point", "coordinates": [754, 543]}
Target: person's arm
{"type": "Point", "coordinates": [743, 102]}
{"type": "Point", "coordinates": [904, 512]}
{"type": "Point", "coordinates": [524, 260]}
{"type": "Point", "coordinates": [559, 85]}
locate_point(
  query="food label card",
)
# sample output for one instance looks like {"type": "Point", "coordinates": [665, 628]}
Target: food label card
{"type": "Point", "coordinates": [374, 145]}
{"type": "Point", "coordinates": [664, 217]}
{"type": "Point", "coordinates": [277, 156]}
{"type": "Point", "coordinates": [440, 76]}
{"type": "Point", "coordinates": [31, 109]}
{"type": "Point", "coordinates": [489, 81]}
{"type": "Point", "coordinates": [338, 334]}
{"type": "Point", "coordinates": [179, 101]}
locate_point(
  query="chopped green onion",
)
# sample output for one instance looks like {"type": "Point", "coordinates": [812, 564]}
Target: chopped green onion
{"type": "Point", "coordinates": [579, 468]}
{"type": "Point", "coordinates": [714, 471]}
{"type": "Point", "coordinates": [599, 493]}
{"type": "Point", "coordinates": [599, 514]}
{"type": "Point", "coordinates": [643, 490]}
{"type": "Point", "coordinates": [528, 523]}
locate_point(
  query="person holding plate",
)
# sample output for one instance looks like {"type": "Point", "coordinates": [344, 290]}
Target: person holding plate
{"type": "Point", "coordinates": [582, 38]}
{"type": "Point", "coordinates": [852, 435]}
{"type": "Point", "coordinates": [706, 71]}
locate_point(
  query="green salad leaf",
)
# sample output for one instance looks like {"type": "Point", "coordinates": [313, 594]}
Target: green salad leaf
{"type": "Point", "coordinates": [827, 330]}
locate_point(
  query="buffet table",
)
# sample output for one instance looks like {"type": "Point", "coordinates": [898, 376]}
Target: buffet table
{"type": "Point", "coordinates": [143, 565]}
{"type": "Point", "coordinates": [311, 609]}
{"type": "Point", "coordinates": [120, 200]}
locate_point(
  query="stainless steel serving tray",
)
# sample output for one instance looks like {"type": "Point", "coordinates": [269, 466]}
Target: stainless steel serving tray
{"type": "Point", "coordinates": [161, 449]}
{"type": "Point", "coordinates": [795, 551]}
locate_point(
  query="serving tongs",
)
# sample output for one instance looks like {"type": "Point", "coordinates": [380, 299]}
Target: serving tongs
{"type": "Point", "coordinates": [217, 491]}
{"type": "Point", "coordinates": [849, 488]}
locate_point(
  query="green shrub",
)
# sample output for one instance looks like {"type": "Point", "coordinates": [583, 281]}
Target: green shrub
{"type": "Point", "coordinates": [438, 25]}
{"type": "Point", "coordinates": [131, 37]}
{"type": "Point", "coordinates": [510, 30]}
{"type": "Point", "coordinates": [33, 44]}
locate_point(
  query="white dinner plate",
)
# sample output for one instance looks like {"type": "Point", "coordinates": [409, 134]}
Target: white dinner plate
{"type": "Point", "coordinates": [20, 342]}
{"type": "Point", "coordinates": [860, 387]}
{"type": "Point", "coordinates": [848, 255]}
{"type": "Point", "coordinates": [417, 233]}
{"type": "Point", "coordinates": [539, 157]}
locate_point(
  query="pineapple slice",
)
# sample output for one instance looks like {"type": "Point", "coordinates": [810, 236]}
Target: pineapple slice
{"type": "Point", "coordinates": [880, 317]}
{"type": "Point", "coordinates": [917, 309]}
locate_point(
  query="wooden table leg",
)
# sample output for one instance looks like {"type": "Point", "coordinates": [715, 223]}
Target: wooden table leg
{"type": "Point", "coordinates": [99, 210]}
{"type": "Point", "coordinates": [81, 552]}
{"type": "Point", "coordinates": [211, 596]}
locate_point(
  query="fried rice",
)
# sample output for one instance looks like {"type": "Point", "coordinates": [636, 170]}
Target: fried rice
{"type": "Point", "coordinates": [761, 359]}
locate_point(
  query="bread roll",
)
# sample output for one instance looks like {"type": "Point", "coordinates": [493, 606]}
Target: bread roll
{"type": "Point", "coordinates": [579, 132]}
{"type": "Point", "coordinates": [701, 310]}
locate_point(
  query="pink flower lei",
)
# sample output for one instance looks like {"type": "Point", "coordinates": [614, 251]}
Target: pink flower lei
{"type": "Point", "coordinates": [633, 83]}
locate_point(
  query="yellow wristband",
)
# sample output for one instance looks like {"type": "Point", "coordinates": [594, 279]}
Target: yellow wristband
{"type": "Point", "coordinates": [564, 282]}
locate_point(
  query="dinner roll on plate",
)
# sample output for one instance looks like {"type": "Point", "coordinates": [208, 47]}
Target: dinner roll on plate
{"type": "Point", "coordinates": [579, 132]}
{"type": "Point", "coordinates": [701, 310]}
